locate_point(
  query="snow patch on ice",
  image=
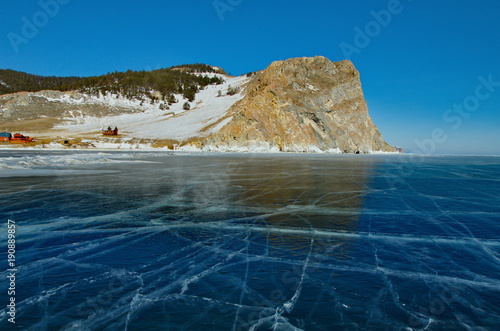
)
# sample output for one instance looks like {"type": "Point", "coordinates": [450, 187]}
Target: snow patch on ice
{"type": "Point", "coordinates": [383, 152]}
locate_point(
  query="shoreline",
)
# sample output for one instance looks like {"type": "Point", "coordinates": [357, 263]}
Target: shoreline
{"type": "Point", "coordinates": [188, 149]}
{"type": "Point", "coordinates": [212, 152]}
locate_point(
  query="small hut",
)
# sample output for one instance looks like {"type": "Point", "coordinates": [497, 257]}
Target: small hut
{"type": "Point", "coordinates": [7, 137]}
{"type": "Point", "coordinates": [20, 139]}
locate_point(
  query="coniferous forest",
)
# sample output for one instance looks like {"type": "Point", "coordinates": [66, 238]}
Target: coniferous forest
{"type": "Point", "coordinates": [156, 85]}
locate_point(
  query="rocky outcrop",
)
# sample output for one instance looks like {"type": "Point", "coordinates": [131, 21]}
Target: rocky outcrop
{"type": "Point", "coordinates": [301, 104]}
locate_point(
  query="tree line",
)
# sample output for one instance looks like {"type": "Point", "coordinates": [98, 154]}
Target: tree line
{"type": "Point", "coordinates": [156, 85]}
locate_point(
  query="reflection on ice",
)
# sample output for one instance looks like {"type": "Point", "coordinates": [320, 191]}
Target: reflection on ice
{"type": "Point", "coordinates": [247, 242]}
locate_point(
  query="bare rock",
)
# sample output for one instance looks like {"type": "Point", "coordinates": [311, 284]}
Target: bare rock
{"type": "Point", "coordinates": [302, 104]}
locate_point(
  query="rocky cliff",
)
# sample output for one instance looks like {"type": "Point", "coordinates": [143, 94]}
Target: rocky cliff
{"type": "Point", "coordinates": [301, 104]}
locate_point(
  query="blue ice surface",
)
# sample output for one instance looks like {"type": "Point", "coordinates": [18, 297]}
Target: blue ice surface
{"type": "Point", "coordinates": [138, 241]}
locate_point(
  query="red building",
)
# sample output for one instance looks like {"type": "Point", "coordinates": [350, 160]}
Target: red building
{"type": "Point", "coordinates": [18, 138]}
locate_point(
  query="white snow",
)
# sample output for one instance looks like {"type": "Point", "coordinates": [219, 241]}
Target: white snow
{"type": "Point", "coordinates": [382, 152]}
{"type": "Point", "coordinates": [220, 125]}
{"type": "Point", "coordinates": [153, 123]}
{"type": "Point", "coordinates": [143, 120]}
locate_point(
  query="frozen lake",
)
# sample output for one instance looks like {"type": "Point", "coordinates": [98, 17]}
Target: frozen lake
{"type": "Point", "coordinates": [157, 241]}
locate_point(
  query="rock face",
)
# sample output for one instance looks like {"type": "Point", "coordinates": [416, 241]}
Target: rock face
{"type": "Point", "coordinates": [301, 104]}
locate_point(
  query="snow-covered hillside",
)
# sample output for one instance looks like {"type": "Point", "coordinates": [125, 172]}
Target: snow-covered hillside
{"type": "Point", "coordinates": [296, 105]}
{"type": "Point", "coordinates": [150, 122]}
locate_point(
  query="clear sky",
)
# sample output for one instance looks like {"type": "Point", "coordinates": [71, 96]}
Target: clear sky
{"type": "Point", "coordinates": [430, 69]}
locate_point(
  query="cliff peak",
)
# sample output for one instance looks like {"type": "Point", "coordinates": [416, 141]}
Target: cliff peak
{"type": "Point", "coordinates": [302, 104]}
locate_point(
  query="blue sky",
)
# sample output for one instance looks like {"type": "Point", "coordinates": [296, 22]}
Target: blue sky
{"type": "Point", "coordinates": [423, 63]}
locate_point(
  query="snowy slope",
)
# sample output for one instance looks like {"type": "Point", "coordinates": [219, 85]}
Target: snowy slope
{"type": "Point", "coordinates": [149, 122]}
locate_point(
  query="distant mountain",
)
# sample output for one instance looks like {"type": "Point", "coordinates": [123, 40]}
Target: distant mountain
{"type": "Point", "coordinates": [297, 105]}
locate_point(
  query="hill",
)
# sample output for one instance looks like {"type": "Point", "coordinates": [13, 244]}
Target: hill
{"type": "Point", "coordinates": [298, 105]}
{"type": "Point", "coordinates": [302, 104]}
{"type": "Point", "coordinates": [182, 79]}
